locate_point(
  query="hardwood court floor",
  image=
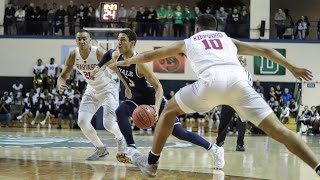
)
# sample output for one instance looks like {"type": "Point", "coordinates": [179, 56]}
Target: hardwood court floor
{"type": "Point", "coordinates": [59, 154]}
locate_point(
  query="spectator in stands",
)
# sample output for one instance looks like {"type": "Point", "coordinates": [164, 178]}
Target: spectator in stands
{"type": "Point", "coordinates": [288, 22]}
{"type": "Point", "coordinates": [260, 93]}
{"type": "Point", "coordinates": [17, 89]}
{"type": "Point", "coordinates": [82, 16]}
{"type": "Point", "coordinates": [123, 18]}
{"type": "Point", "coordinates": [279, 18]}
{"type": "Point", "coordinates": [86, 9]}
{"type": "Point", "coordinates": [272, 102]}
{"type": "Point", "coordinates": [20, 20]}
{"type": "Point", "coordinates": [257, 86]}
{"type": "Point", "coordinates": [132, 14]}
{"type": "Point", "coordinates": [9, 19]}
{"type": "Point", "coordinates": [187, 19]}
{"type": "Point", "coordinates": [51, 21]}
{"type": "Point", "coordinates": [44, 20]}
{"type": "Point", "coordinates": [36, 21]}
{"type": "Point", "coordinates": [154, 22]}
{"type": "Point", "coordinates": [169, 23]}
{"type": "Point", "coordinates": [26, 111]}
{"type": "Point", "coordinates": [302, 27]}
{"type": "Point", "coordinates": [293, 106]}
{"type": "Point", "coordinates": [80, 81]}
{"type": "Point", "coordinates": [222, 19]}
{"type": "Point", "coordinates": [305, 118]}
{"type": "Point", "coordinates": [66, 110]}
{"type": "Point", "coordinates": [52, 72]}
{"type": "Point", "coordinates": [91, 18]}
{"type": "Point", "coordinates": [40, 110]}
{"type": "Point", "coordinates": [286, 96]}
{"type": "Point", "coordinates": [197, 13]}
{"type": "Point", "coordinates": [72, 17]}
{"type": "Point", "coordinates": [277, 109]}
{"type": "Point", "coordinates": [162, 17]}
{"type": "Point", "coordinates": [285, 114]}
{"type": "Point", "coordinates": [59, 20]}
{"type": "Point", "coordinates": [272, 93]}
{"type": "Point", "coordinates": [29, 18]}
{"type": "Point", "coordinates": [278, 92]}
{"type": "Point", "coordinates": [315, 120]}
{"type": "Point", "coordinates": [5, 111]}
{"type": "Point", "coordinates": [178, 22]}
{"type": "Point", "coordinates": [233, 21]}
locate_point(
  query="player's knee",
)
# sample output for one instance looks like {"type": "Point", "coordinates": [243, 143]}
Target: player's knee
{"type": "Point", "coordinates": [84, 118]}
{"type": "Point", "coordinates": [179, 133]}
{"type": "Point", "coordinates": [109, 120]}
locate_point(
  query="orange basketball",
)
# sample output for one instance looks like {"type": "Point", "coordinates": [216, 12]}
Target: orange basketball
{"type": "Point", "coordinates": [144, 116]}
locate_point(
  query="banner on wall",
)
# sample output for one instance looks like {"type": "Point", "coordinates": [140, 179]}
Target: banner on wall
{"type": "Point", "coordinates": [65, 49]}
{"type": "Point", "coordinates": [264, 66]}
{"type": "Point", "coordinates": [169, 65]}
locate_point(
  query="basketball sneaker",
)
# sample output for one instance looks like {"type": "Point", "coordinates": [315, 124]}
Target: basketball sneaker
{"type": "Point", "coordinates": [43, 122]}
{"type": "Point", "coordinates": [123, 152]}
{"type": "Point", "coordinates": [98, 153]}
{"type": "Point", "coordinates": [141, 162]}
{"type": "Point", "coordinates": [19, 117]}
{"type": "Point", "coordinates": [218, 155]}
{"type": "Point", "coordinates": [32, 122]}
{"type": "Point", "coordinates": [240, 148]}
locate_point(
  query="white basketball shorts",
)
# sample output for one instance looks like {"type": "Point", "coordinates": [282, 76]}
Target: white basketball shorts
{"type": "Point", "coordinates": [224, 87]}
{"type": "Point", "coordinates": [92, 100]}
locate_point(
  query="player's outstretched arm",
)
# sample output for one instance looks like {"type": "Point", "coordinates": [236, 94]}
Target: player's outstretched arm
{"type": "Point", "coordinates": [65, 74]}
{"type": "Point", "coordinates": [161, 53]}
{"type": "Point", "coordinates": [245, 48]}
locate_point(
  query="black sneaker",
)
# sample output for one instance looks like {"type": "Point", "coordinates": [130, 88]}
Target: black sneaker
{"type": "Point", "coordinates": [240, 148]}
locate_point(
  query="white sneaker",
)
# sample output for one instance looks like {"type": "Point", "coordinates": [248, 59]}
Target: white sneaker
{"type": "Point", "coordinates": [218, 155]}
{"type": "Point", "coordinates": [19, 117]}
{"type": "Point", "coordinates": [218, 174]}
{"type": "Point", "coordinates": [32, 122]}
{"type": "Point", "coordinates": [43, 122]}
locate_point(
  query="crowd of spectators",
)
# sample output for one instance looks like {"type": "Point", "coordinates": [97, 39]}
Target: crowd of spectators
{"type": "Point", "coordinates": [171, 20]}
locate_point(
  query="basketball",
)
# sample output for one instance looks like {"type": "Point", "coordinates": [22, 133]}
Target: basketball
{"type": "Point", "coordinates": [144, 116]}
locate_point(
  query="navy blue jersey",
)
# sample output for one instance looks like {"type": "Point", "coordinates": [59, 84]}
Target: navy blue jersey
{"type": "Point", "coordinates": [142, 91]}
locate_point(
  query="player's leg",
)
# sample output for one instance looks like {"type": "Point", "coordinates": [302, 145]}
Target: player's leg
{"type": "Point", "coordinates": [185, 135]}
{"type": "Point", "coordinates": [88, 107]}
{"type": "Point", "coordinates": [276, 130]}
{"type": "Point", "coordinates": [250, 105]}
{"type": "Point", "coordinates": [110, 104]}
{"type": "Point", "coordinates": [123, 113]}
{"type": "Point", "coordinates": [226, 115]}
{"type": "Point", "coordinates": [189, 99]}
{"type": "Point", "coordinates": [241, 128]}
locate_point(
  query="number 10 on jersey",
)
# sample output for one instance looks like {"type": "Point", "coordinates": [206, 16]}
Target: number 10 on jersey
{"type": "Point", "coordinates": [212, 44]}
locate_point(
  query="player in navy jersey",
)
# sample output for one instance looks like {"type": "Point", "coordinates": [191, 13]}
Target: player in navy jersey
{"type": "Point", "coordinates": [142, 87]}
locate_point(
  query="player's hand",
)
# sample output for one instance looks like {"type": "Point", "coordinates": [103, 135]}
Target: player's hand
{"type": "Point", "coordinates": [156, 109]}
{"type": "Point", "coordinates": [61, 87]}
{"type": "Point", "coordinates": [127, 93]}
{"type": "Point", "coordinates": [302, 74]}
{"type": "Point", "coordinates": [120, 63]}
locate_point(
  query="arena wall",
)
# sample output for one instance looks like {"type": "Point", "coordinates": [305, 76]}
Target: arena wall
{"type": "Point", "coordinates": [18, 56]}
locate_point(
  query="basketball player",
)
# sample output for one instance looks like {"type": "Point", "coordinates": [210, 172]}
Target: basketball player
{"type": "Point", "coordinates": [101, 91]}
{"type": "Point", "coordinates": [222, 80]}
{"type": "Point", "coordinates": [227, 113]}
{"type": "Point", "coordinates": [142, 87]}
{"type": "Point", "coordinates": [52, 71]}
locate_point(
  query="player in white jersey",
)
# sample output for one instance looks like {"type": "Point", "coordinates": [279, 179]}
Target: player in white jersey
{"type": "Point", "coordinates": [52, 69]}
{"type": "Point", "coordinates": [101, 91]}
{"type": "Point", "coordinates": [222, 80]}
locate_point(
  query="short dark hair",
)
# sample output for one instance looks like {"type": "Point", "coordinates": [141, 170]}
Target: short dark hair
{"type": "Point", "coordinates": [207, 22]}
{"type": "Point", "coordinates": [84, 31]}
{"type": "Point", "coordinates": [131, 35]}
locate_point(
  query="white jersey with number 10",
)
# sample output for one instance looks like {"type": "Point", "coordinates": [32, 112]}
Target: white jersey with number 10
{"type": "Point", "coordinates": [208, 49]}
